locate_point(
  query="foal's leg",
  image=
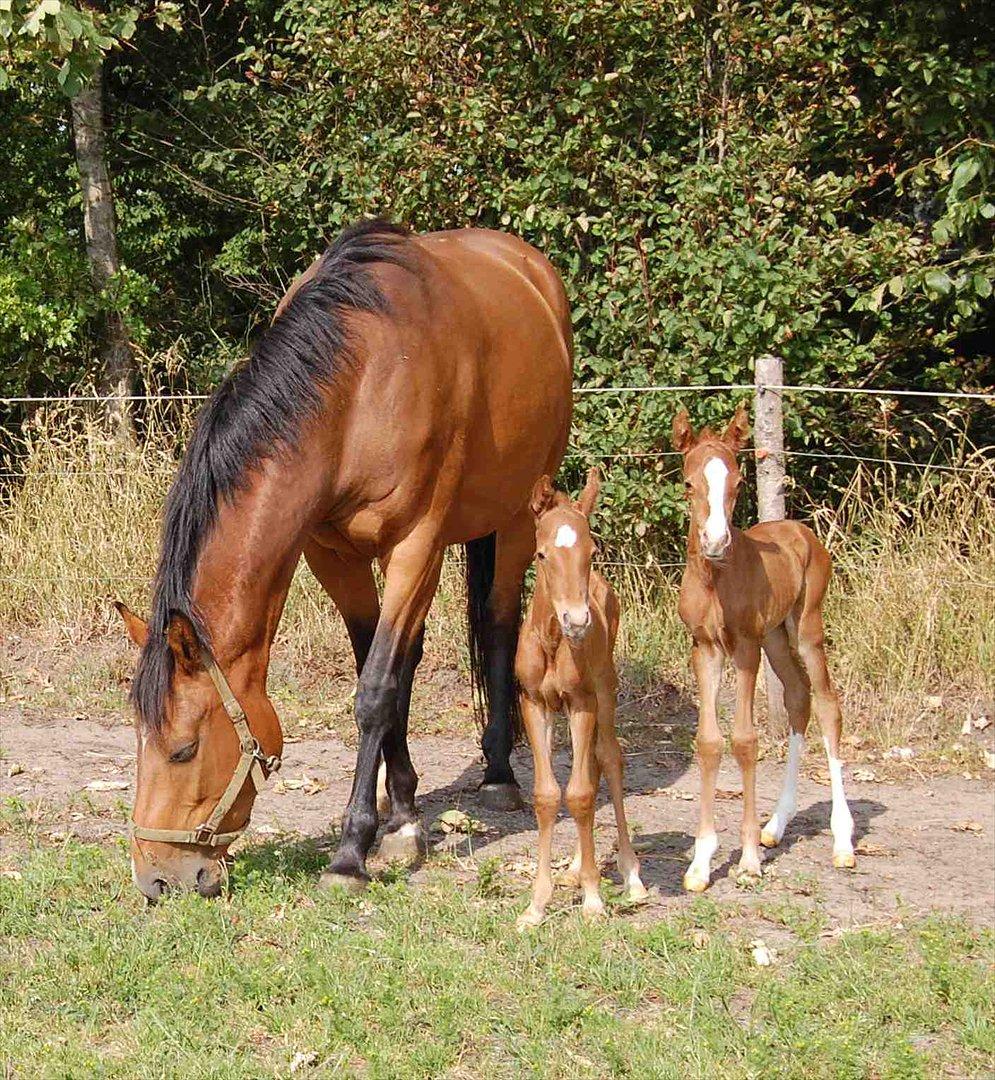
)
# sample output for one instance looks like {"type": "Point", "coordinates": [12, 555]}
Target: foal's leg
{"type": "Point", "coordinates": [539, 729]}
{"type": "Point", "coordinates": [514, 548]}
{"type": "Point", "coordinates": [581, 791]}
{"type": "Point", "coordinates": [706, 659]}
{"type": "Point", "coordinates": [412, 578]}
{"type": "Point", "coordinates": [796, 701]}
{"type": "Point", "coordinates": [746, 657]}
{"type": "Point", "coordinates": [826, 706]}
{"type": "Point", "coordinates": [610, 759]}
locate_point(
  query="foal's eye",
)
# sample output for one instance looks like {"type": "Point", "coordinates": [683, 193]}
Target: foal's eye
{"type": "Point", "coordinates": [185, 753]}
{"type": "Point", "coordinates": [541, 556]}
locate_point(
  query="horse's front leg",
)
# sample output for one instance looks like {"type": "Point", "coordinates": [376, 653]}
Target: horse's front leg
{"type": "Point", "coordinates": [746, 658]}
{"type": "Point", "coordinates": [412, 578]}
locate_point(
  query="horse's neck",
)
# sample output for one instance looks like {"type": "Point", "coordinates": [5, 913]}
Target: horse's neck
{"type": "Point", "coordinates": [243, 576]}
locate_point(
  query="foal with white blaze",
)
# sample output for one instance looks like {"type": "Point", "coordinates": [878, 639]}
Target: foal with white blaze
{"type": "Point", "coordinates": [564, 663]}
{"type": "Point", "coordinates": [743, 591]}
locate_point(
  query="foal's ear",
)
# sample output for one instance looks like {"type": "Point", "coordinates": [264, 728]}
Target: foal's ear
{"type": "Point", "coordinates": [682, 434]}
{"type": "Point", "coordinates": [542, 496]}
{"type": "Point", "coordinates": [138, 628]}
{"type": "Point", "coordinates": [589, 496]}
{"type": "Point", "coordinates": [181, 635]}
{"type": "Point", "coordinates": [738, 430]}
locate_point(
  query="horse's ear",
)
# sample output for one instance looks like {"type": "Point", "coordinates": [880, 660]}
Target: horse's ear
{"type": "Point", "coordinates": [738, 430]}
{"type": "Point", "coordinates": [138, 628]}
{"type": "Point", "coordinates": [589, 496]}
{"type": "Point", "coordinates": [682, 434]}
{"type": "Point", "coordinates": [181, 635]}
{"type": "Point", "coordinates": [542, 496]}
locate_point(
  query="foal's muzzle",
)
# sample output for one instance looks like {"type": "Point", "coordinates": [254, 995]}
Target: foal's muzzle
{"type": "Point", "coordinates": [714, 549]}
{"type": "Point", "coordinates": [576, 622]}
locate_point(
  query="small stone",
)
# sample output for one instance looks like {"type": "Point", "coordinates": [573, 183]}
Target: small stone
{"type": "Point", "coordinates": [762, 955]}
{"type": "Point", "coordinates": [15, 769]}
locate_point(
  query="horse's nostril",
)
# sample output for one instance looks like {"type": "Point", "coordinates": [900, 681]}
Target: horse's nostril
{"type": "Point", "coordinates": [208, 883]}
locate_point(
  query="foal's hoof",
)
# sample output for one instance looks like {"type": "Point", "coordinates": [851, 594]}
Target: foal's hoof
{"type": "Point", "coordinates": [347, 883]}
{"type": "Point", "coordinates": [768, 839]}
{"type": "Point", "coordinates": [404, 845]}
{"type": "Point", "coordinates": [530, 918]}
{"type": "Point", "coordinates": [695, 883]}
{"type": "Point", "coordinates": [507, 797]}
{"type": "Point", "coordinates": [844, 860]}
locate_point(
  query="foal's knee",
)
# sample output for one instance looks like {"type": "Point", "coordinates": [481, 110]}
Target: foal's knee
{"type": "Point", "coordinates": [709, 749]}
{"type": "Point", "coordinates": [580, 800]}
{"type": "Point", "coordinates": [744, 748]}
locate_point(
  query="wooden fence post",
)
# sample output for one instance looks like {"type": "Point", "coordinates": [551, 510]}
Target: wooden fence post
{"type": "Point", "coordinates": [768, 438]}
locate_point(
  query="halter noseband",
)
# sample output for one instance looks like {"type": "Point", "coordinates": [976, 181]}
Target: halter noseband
{"type": "Point", "coordinates": [251, 766]}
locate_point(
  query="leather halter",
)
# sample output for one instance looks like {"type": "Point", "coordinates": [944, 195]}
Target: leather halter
{"type": "Point", "coordinates": [253, 765]}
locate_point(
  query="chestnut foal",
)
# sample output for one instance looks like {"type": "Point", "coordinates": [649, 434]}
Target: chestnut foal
{"type": "Point", "coordinates": [564, 663]}
{"type": "Point", "coordinates": [742, 591]}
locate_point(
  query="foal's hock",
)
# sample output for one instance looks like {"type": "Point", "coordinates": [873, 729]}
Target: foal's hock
{"type": "Point", "coordinates": [743, 591]}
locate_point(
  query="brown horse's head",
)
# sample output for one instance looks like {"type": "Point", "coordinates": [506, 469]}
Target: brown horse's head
{"type": "Point", "coordinates": [564, 549]}
{"type": "Point", "coordinates": [711, 478]}
{"type": "Point", "coordinates": [186, 758]}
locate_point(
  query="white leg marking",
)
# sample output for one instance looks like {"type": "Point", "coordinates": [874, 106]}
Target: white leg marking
{"type": "Point", "coordinates": [409, 828]}
{"type": "Point", "coordinates": [699, 873]}
{"type": "Point", "coordinates": [383, 799]}
{"type": "Point", "coordinates": [716, 472]}
{"type": "Point", "coordinates": [787, 804]}
{"type": "Point", "coordinates": [840, 820]}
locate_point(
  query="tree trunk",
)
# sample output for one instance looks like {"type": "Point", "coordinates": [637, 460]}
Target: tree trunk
{"type": "Point", "coordinates": [118, 364]}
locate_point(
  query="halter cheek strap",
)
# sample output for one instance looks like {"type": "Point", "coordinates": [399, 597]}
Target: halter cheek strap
{"type": "Point", "coordinates": [253, 766]}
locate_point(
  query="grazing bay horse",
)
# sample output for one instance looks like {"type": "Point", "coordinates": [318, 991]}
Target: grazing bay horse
{"type": "Point", "coordinates": [743, 591]}
{"type": "Point", "coordinates": [406, 397]}
{"type": "Point", "coordinates": [564, 662]}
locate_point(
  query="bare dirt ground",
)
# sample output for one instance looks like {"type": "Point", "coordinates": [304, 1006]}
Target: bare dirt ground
{"type": "Point", "coordinates": [922, 846]}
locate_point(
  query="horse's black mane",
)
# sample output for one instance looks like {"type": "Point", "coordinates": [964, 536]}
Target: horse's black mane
{"type": "Point", "coordinates": [256, 413]}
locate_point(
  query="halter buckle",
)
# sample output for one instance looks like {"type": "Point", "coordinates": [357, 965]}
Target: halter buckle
{"type": "Point", "coordinates": [204, 834]}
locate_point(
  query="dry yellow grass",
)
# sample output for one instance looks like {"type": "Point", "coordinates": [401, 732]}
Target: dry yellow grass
{"type": "Point", "coordinates": [911, 612]}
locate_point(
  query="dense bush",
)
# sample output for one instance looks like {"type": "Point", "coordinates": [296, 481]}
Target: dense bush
{"type": "Point", "coordinates": [714, 180]}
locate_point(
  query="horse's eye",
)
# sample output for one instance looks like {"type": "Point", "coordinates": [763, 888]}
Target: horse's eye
{"type": "Point", "coordinates": [541, 556]}
{"type": "Point", "coordinates": [185, 753]}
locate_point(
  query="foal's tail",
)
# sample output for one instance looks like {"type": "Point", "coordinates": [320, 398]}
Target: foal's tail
{"type": "Point", "coordinates": [480, 560]}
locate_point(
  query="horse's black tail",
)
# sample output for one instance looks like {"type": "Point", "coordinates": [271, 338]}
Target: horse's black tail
{"type": "Point", "coordinates": [480, 558]}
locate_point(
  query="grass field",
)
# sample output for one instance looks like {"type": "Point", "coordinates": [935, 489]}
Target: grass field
{"type": "Point", "coordinates": [281, 979]}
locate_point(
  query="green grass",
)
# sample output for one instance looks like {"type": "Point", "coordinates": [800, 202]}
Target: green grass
{"type": "Point", "coordinates": [431, 980]}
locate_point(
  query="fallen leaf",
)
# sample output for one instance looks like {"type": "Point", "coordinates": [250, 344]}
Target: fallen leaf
{"type": "Point", "coordinates": [521, 867]}
{"type": "Point", "coordinates": [450, 821]}
{"type": "Point", "coordinates": [302, 1059]}
{"type": "Point", "coordinates": [14, 875]}
{"type": "Point", "coordinates": [864, 775]}
{"type": "Point", "coordinates": [108, 785]}
{"type": "Point", "coordinates": [762, 955]}
{"type": "Point", "coordinates": [700, 938]}
{"type": "Point", "coordinates": [968, 826]}
{"type": "Point", "coordinates": [967, 727]}
{"type": "Point", "coordinates": [902, 753]}
{"type": "Point", "coordinates": [685, 796]}
{"type": "Point", "coordinates": [990, 759]}
{"type": "Point", "coordinates": [722, 793]}
{"type": "Point", "coordinates": [15, 769]}
{"type": "Point", "coordinates": [868, 847]}
{"type": "Point", "coordinates": [981, 722]}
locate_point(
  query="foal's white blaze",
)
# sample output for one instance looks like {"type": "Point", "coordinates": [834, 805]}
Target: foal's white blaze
{"type": "Point", "coordinates": [787, 804]}
{"type": "Point", "coordinates": [840, 820]}
{"type": "Point", "coordinates": [716, 472]}
{"type": "Point", "coordinates": [565, 537]}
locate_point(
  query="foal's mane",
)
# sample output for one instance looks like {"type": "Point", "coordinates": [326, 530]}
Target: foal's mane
{"type": "Point", "coordinates": [257, 413]}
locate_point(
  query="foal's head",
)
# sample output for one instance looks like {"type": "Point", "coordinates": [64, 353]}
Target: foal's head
{"type": "Point", "coordinates": [564, 549]}
{"type": "Point", "coordinates": [711, 478]}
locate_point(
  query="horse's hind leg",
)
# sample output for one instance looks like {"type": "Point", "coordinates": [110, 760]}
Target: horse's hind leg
{"type": "Point", "coordinates": [826, 706]}
{"type": "Point", "coordinates": [797, 702]}
{"type": "Point", "coordinates": [514, 548]}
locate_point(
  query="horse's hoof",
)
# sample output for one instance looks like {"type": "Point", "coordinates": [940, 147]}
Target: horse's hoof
{"type": "Point", "coordinates": [593, 909]}
{"type": "Point", "coordinates": [768, 839]}
{"type": "Point", "coordinates": [347, 883]}
{"type": "Point", "coordinates": [529, 919]}
{"type": "Point", "coordinates": [638, 893]}
{"type": "Point", "coordinates": [695, 883]}
{"type": "Point", "coordinates": [844, 860]}
{"type": "Point", "coordinates": [404, 845]}
{"type": "Point", "coordinates": [506, 797]}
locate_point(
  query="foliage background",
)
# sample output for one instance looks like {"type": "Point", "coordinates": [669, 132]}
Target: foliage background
{"type": "Point", "coordinates": [714, 180]}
